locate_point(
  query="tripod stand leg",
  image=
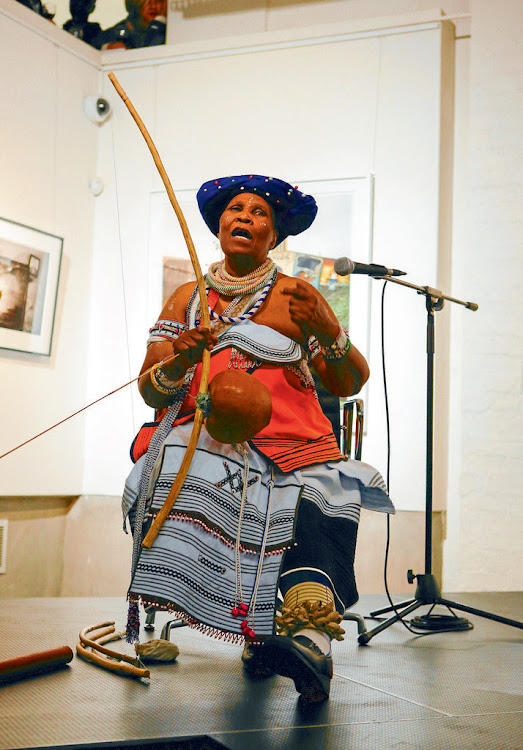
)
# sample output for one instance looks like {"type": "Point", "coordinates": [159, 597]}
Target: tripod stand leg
{"type": "Point", "coordinates": [391, 609]}
{"type": "Point", "coordinates": [479, 612]}
{"type": "Point", "coordinates": [364, 638]}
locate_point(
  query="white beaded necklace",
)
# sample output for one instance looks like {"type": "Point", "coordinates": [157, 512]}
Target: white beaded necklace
{"type": "Point", "coordinates": [224, 283]}
{"type": "Point", "coordinates": [262, 278]}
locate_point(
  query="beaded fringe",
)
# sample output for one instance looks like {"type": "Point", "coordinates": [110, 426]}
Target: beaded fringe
{"type": "Point", "coordinates": [208, 630]}
{"type": "Point", "coordinates": [132, 630]}
{"type": "Point", "coordinates": [228, 542]}
{"type": "Point", "coordinates": [302, 372]}
{"type": "Point", "coordinates": [307, 614]}
{"type": "Point", "coordinates": [240, 361]}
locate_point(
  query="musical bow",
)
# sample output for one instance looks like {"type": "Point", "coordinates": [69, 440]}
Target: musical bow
{"type": "Point", "coordinates": [198, 417]}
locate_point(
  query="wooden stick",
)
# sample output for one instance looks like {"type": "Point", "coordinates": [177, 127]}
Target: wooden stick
{"type": "Point", "coordinates": [170, 192]}
{"type": "Point", "coordinates": [34, 664]}
{"type": "Point", "coordinates": [206, 321]}
{"type": "Point", "coordinates": [94, 643]}
{"type": "Point", "coordinates": [113, 666]}
{"type": "Point", "coordinates": [116, 662]}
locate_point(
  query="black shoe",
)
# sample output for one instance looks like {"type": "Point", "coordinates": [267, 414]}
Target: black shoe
{"type": "Point", "coordinates": [255, 662]}
{"type": "Point", "coordinates": [300, 659]}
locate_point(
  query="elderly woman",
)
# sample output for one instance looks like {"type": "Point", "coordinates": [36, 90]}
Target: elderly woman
{"type": "Point", "coordinates": [279, 511]}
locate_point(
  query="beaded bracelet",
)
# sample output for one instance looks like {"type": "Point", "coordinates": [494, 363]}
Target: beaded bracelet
{"type": "Point", "coordinates": [162, 383]}
{"type": "Point", "coordinates": [338, 349]}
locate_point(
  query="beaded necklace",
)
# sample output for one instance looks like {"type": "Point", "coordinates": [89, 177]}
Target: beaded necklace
{"type": "Point", "coordinates": [230, 286]}
{"type": "Point", "coordinates": [262, 278]}
{"type": "Point", "coordinates": [241, 608]}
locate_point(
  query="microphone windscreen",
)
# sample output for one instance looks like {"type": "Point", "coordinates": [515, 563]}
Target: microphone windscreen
{"type": "Point", "coordinates": [343, 266]}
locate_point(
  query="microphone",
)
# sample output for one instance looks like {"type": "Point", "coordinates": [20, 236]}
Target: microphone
{"type": "Point", "coordinates": [345, 266]}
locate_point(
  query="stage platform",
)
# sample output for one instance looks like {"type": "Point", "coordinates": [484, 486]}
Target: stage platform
{"type": "Point", "coordinates": [450, 690]}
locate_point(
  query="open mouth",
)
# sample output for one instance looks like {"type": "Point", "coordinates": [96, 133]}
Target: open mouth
{"type": "Point", "coordinates": [241, 233]}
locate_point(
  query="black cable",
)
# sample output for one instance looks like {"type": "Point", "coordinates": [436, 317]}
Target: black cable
{"type": "Point", "coordinates": [441, 623]}
{"type": "Point", "coordinates": [387, 421]}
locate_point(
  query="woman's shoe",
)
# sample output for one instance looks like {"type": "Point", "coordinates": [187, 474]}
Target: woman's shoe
{"type": "Point", "coordinates": [301, 660]}
{"type": "Point", "coordinates": [255, 662]}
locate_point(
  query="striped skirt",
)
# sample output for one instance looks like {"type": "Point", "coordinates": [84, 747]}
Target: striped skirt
{"type": "Point", "coordinates": [231, 525]}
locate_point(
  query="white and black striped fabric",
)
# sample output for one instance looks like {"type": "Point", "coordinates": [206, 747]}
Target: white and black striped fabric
{"type": "Point", "coordinates": [190, 568]}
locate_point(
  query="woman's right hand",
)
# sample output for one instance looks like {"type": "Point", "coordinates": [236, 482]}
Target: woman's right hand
{"type": "Point", "coordinates": [188, 349]}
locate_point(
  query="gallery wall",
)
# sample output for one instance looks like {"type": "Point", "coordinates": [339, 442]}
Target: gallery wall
{"type": "Point", "coordinates": [48, 158]}
{"type": "Point", "coordinates": [195, 20]}
{"type": "Point", "coordinates": [485, 506]}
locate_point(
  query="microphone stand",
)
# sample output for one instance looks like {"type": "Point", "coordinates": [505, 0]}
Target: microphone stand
{"type": "Point", "coordinates": [427, 590]}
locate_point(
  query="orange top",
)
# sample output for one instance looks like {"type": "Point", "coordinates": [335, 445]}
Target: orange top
{"type": "Point", "coordinates": [299, 434]}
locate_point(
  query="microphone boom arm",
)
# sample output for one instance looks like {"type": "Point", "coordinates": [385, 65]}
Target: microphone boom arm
{"type": "Point", "coordinates": [428, 291]}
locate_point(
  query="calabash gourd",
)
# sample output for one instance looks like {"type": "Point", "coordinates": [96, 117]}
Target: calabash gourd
{"type": "Point", "coordinates": [241, 406]}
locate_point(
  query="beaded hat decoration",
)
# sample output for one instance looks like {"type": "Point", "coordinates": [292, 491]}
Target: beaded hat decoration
{"type": "Point", "coordinates": [293, 210]}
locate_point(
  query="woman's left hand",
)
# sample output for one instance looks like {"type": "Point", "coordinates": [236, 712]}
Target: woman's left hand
{"type": "Point", "coordinates": [311, 312]}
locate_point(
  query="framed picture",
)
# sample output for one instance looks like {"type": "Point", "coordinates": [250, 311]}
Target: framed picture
{"type": "Point", "coordinates": [168, 262]}
{"type": "Point", "coordinates": [29, 272]}
{"type": "Point", "coordinates": [342, 228]}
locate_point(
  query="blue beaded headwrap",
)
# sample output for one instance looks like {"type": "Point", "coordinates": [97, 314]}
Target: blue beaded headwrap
{"type": "Point", "coordinates": [293, 210]}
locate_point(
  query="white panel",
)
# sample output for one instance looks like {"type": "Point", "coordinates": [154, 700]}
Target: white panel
{"type": "Point", "coordinates": [315, 112]}
{"type": "Point", "coordinates": [223, 18]}
{"type": "Point", "coordinates": [27, 113]}
{"type": "Point", "coordinates": [51, 155]}
{"type": "Point", "coordinates": [119, 294]}
{"type": "Point", "coordinates": [405, 237]}
{"type": "Point", "coordinates": [460, 288]}
{"type": "Point", "coordinates": [303, 114]}
{"type": "Point", "coordinates": [193, 116]}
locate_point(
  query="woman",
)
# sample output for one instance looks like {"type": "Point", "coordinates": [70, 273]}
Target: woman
{"type": "Point", "coordinates": [279, 511]}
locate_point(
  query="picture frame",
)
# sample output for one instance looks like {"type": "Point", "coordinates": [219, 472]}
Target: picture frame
{"type": "Point", "coordinates": [343, 228]}
{"type": "Point", "coordinates": [30, 262]}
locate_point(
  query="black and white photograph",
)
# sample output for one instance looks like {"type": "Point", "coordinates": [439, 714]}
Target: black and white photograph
{"type": "Point", "coordinates": [29, 271]}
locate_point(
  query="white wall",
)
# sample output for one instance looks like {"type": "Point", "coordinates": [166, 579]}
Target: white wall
{"type": "Point", "coordinates": [195, 20]}
{"type": "Point", "coordinates": [484, 547]}
{"type": "Point", "coordinates": [48, 156]}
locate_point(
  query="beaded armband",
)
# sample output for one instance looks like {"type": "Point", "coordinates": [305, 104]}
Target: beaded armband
{"type": "Point", "coordinates": [162, 383]}
{"type": "Point", "coordinates": [338, 349]}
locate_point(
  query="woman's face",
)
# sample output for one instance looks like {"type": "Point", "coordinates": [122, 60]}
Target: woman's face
{"type": "Point", "coordinates": [246, 229]}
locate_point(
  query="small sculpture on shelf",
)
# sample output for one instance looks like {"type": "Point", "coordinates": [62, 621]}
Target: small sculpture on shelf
{"type": "Point", "coordinates": [40, 8]}
{"type": "Point", "coordinates": [79, 26]}
{"type": "Point", "coordinates": [145, 26]}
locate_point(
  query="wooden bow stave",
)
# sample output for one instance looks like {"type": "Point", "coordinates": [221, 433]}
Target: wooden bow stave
{"type": "Point", "coordinates": [204, 381]}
